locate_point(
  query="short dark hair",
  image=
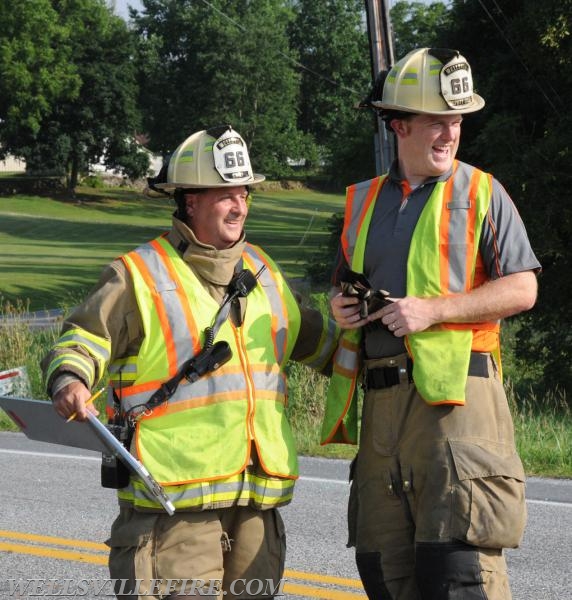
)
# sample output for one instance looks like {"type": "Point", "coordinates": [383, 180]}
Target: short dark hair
{"type": "Point", "coordinates": [388, 116]}
{"type": "Point", "coordinates": [179, 196]}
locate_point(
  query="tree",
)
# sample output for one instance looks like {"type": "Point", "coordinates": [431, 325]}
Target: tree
{"type": "Point", "coordinates": [206, 64]}
{"type": "Point", "coordinates": [416, 25]}
{"type": "Point", "coordinates": [95, 118]}
{"type": "Point", "coordinates": [331, 40]}
{"type": "Point", "coordinates": [35, 70]}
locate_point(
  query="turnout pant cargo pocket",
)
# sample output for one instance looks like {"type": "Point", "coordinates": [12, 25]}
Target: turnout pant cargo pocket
{"type": "Point", "coordinates": [488, 504]}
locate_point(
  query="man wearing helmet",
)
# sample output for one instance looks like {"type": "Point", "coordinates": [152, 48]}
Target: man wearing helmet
{"type": "Point", "coordinates": [217, 438]}
{"type": "Point", "coordinates": [438, 487]}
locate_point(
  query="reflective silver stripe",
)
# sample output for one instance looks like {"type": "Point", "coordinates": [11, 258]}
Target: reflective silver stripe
{"type": "Point", "coordinates": [80, 362]}
{"type": "Point", "coordinates": [279, 309]}
{"type": "Point", "coordinates": [346, 357]}
{"type": "Point", "coordinates": [100, 351]}
{"type": "Point", "coordinates": [125, 368]}
{"type": "Point", "coordinates": [326, 347]}
{"type": "Point", "coordinates": [459, 218]}
{"type": "Point", "coordinates": [214, 385]}
{"type": "Point", "coordinates": [358, 204]}
{"type": "Point", "coordinates": [167, 289]}
{"type": "Point", "coordinates": [252, 488]}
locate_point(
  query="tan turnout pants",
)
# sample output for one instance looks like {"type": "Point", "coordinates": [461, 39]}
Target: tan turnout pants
{"type": "Point", "coordinates": [437, 493]}
{"type": "Point", "coordinates": [236, 552]}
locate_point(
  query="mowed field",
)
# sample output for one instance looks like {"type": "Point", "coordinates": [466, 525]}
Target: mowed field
{"type": "Point", "coordinates": [52, 250]}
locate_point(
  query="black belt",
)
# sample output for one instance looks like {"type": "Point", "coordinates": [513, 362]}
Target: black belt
{"type": "Point", "coordinates": [384, 377]}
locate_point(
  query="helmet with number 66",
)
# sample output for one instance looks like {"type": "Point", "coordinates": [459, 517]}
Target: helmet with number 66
{"type": "Point", "coordinates": [212, 158]}
{"type": "Point", "coordinates": [433, 81]}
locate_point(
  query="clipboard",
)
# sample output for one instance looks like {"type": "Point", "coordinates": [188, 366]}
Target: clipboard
{"type": "Point", "coordinates": [38, 420]}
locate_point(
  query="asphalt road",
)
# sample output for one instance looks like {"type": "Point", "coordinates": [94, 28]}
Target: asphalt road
{"type": "Point", "coordinates": [55, 517]}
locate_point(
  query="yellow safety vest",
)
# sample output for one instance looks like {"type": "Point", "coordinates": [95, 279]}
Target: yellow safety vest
{"type": "Point", "coordinates": [205, 431]}
{"type": "Point", "coordinates": [443, 259]}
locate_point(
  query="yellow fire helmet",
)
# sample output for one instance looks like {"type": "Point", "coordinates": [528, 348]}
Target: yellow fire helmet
{"type": "Point", "coordinates": [432, 81]}
{"type": "Point", "coordinates": [212, 158]}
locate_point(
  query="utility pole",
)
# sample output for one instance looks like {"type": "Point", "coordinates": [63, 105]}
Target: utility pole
{"type": "Point", "coordinates": [381, 51]}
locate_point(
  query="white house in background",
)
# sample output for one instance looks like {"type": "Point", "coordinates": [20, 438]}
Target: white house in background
{"type": "Point", "coordinates": [11, 164]}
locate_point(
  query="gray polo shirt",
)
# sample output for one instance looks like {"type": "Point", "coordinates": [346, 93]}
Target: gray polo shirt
{"type": "Point", "coordinates": [504, 245]}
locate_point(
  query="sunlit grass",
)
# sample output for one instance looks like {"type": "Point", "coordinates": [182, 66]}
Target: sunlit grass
{"type": "Point", "coordinates": [51, 249]}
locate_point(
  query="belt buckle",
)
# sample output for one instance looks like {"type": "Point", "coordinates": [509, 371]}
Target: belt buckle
{"type": "Point", "coordinates": [403, 372]}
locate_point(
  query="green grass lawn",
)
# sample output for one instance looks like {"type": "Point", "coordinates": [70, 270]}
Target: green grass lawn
{"type": "Point", "coordinates": [52, 250]}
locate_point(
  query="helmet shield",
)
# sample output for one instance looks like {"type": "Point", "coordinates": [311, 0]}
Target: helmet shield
{"type": "Point", "coordinates": [231, 158]}
{"type": "Point", "coordinates": [456, 81]}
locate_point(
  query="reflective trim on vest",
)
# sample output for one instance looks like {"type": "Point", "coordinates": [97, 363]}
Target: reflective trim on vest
{"type": "Point", "coordinates": [244, 489]}
{"type": "Point", "coordinates": [340, 420]}
{"type": "Point", "coordinates": [214, 388]}
{"type": "Point", "coordinates": [163, 280]}
{"type": "Point", "coordinates": [206, 428]}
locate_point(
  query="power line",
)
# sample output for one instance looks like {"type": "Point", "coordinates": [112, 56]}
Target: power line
{"type": "Point", "coordinates": [519, 58]}
{"type": "Point", "coordinates": [289, 58]}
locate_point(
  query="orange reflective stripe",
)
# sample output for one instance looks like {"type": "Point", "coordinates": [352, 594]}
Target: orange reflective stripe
{"type": "Point", "coordinates": [161, 311]}
{"type": "Point", "coordinates": [190, 321]}
{"type": "Point", "coordinates": [372, 194]}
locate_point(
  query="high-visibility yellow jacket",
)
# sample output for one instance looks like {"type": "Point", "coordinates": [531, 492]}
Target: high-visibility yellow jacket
{"type": "Point", "coordinates": [443, 260]}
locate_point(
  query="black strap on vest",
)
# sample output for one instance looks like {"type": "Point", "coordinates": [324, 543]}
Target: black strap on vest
{"type": "Point", "coordinates": [212, 355]}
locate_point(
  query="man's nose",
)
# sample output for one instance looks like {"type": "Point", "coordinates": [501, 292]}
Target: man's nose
{"type": "Point", "coordinates": [239, 204]}
{"type": "Point", "coordinates": [449, 132]}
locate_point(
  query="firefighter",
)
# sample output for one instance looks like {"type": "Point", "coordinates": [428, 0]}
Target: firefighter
{"type": "Point", "coordinates": [219, 444]}
{"type": "Point", "coordinates": [438, 487]}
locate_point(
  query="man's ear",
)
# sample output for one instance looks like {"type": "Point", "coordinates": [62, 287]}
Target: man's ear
{"type": "Point", "coordinates": [400, 127]}
{"type": "Point", "coordinates": [190, 200]}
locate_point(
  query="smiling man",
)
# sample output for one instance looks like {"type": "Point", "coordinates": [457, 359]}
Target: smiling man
{"type": "Point", "coordinates": [217, 437]}
{"type": "Point", "coordinates": [438, 488]}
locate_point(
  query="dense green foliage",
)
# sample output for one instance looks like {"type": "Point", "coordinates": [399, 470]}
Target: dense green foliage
{"type": "Point", "coordinates": [335, 76]}
{"type": "Point", "coordinates": [206, 64]}
{"type": "Point", "coordinates": [68, 88]}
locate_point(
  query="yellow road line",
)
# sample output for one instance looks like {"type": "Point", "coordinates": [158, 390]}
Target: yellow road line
{"type": "Point", "coordinates": [87, 557]}
{"type": "Point", "coordinates": [323, 578]}
{"type": "Point", "coordinates": [324, 594]}
{"type": "Point", "coordinates": [54, 553]}
{"type": "Point", "coordinates": [32, 537]}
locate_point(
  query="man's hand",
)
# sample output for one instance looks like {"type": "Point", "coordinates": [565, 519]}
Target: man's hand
{"type": "Point", "coordinates": [494, 300]}
{"type": "Point", "coordinates": [345, 310]}
{"type": "Point", "coordinates": [72, 399]}
{"type": "Point", "coordinates": [407, 315]}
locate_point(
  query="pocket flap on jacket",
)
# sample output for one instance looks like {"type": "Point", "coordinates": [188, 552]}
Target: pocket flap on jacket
{"type": "Point", "coordinates": [485, 459]}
